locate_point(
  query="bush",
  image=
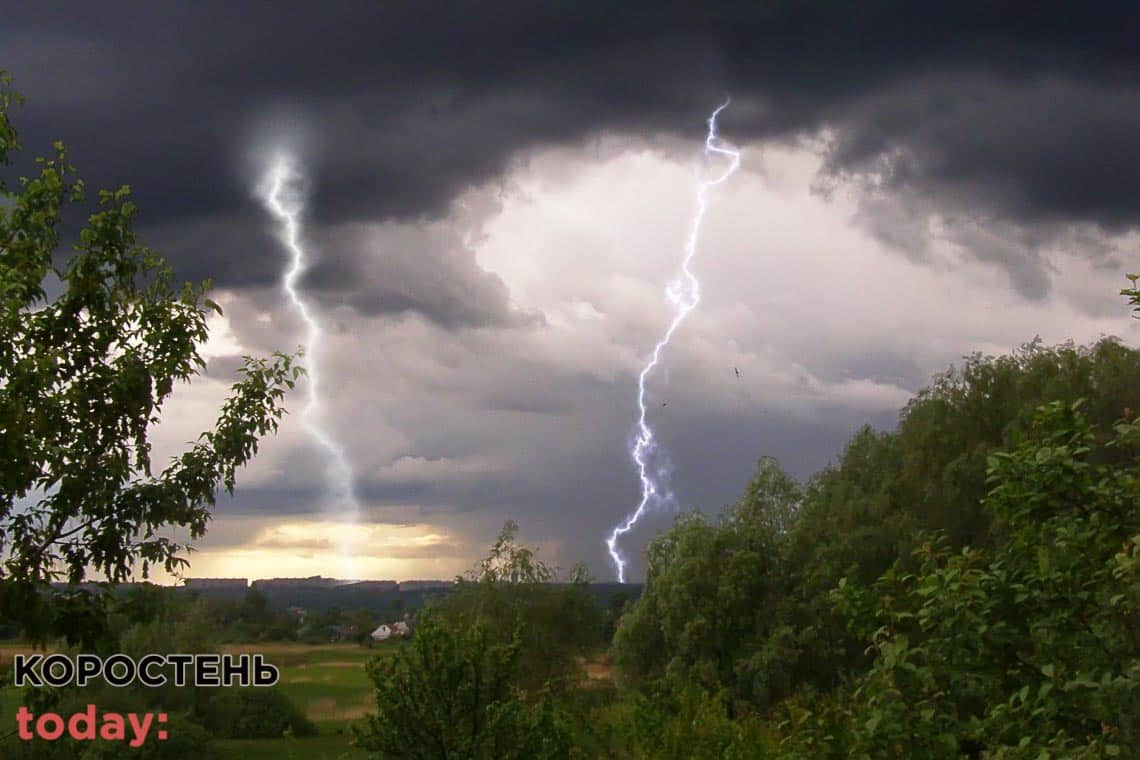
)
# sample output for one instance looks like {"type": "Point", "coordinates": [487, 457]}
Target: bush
{"type": "Point", "coordinates": [185, 740]}
{"type": "Point", "coordinates": [690, 723]}
{"type": "Point", "coordinates": [253, 713]}
{"type": "Point", "coordinates": [452, 692]}
{"type": "Point", "coordinates": [511, 595]}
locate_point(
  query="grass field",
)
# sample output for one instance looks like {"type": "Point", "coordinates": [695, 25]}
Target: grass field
{"type": "Point", "coordinates": [327, 681]}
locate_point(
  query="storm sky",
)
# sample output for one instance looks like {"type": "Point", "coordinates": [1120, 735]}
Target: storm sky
{"type": "Point", "coordinates": [498, 194]}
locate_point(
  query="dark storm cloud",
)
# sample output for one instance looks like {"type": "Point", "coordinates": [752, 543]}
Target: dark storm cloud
{"type": "Point", "coordinates": [425, 270]}
{"type": "Point", "coordinates": [1050, 147]}
{"type": "Point", "coordinates": [1026, 112]}
{"type": "Point", "coordinates": [234, 250]}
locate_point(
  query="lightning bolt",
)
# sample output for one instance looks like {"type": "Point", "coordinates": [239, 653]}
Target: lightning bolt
{"type": "Point", "coordinates": [684, 293]}
{"type": "Point", "coordinates": [286, 207]}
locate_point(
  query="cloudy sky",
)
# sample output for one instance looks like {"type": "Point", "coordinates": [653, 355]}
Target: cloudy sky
{"type": "Point", "coordinates": [498, 194]}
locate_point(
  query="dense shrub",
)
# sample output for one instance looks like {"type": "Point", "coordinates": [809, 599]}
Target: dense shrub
{"type": "Point", "coordinates": [453, 692]}
{"type": "Point", "coordinates": [512, 595]}
{"type": "Point", "coordinates": [1028, 648]}
{"type": "Point", "coordinates": [689, 723]}
{"type": "Point", "coordinates": [253, 713]}
{"type": "Point", "coordinates": [743, 604]}
{"type": "Point", "coordinates": [185, 740]}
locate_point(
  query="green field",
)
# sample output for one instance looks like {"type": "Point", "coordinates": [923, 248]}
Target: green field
{"type": "Point", "coordinates": [327, 681]}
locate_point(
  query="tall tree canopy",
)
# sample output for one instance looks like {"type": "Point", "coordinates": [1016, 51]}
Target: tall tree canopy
{"type": "Point", "coordinates": [1026, 647]}
{"type": "Point", "coordinates": [744, 604]}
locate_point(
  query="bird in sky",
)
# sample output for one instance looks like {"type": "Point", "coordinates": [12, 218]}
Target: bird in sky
{"type": "Point", "coordinates": [737, 371]}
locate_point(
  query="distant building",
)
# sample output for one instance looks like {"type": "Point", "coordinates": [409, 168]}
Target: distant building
{"type": "Point", "coordinates": [372, 586]}
{"type": "Point", "coordinates": [216, 584]}
{"type": "Point", "coordinates": [384, 631]}
{"type": "Point", "coordinates": [315, 581]}
{"type": "Point", "coordinates": [425, 585]}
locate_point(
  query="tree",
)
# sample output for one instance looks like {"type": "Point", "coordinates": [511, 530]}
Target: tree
{"type": "Point", "coordinates": [92, 343]}
{"type": "Point", "coordinates": [510, 562]}
{"type": "Point", "coordinates": [453, 692]}
{"type": "Point", "coordinates": [1133, 294]}
{"type": "Point", "coordinates": [486, 671]}
{"type": "Point", "coordinates": [710, 611]}
{"type": "Point", "coordinates": [869, 509]}
{"type": "Point", "coordinates": [1030, 648]}
{"type": "Point", "coordinates": [511, 591]}
{"type": "Point", "coordinates": [744, 604]}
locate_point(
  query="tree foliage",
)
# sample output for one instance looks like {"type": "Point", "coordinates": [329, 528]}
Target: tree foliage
{"type": "Point", "coordinates": [1030, 648]}
{"type": "Point", "coordinates": [489, 665]}
{"type": "Point", "coordinates": [508, 561]}
{"type": "Point", "coordinates": [92, 343]}
{"type": "Point", "coordinates": [871, 508]}
{"type": "Point", "coordinates": [743, 605]}
{"type": "Point", "coordinates": [1133, 294]}
{"type": "Point", "coordinates": [709, 613]}
{"type": "Point", "coordinates": [453, 693]}
{"type": "Point", "coordinates": [513, 592]}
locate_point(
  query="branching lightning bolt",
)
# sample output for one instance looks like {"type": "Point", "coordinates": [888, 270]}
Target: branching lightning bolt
{"type": "Point", "coordinates": [286, 208]}
{"type": "Point", "coordinates": [684, 293]}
